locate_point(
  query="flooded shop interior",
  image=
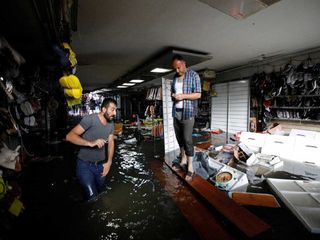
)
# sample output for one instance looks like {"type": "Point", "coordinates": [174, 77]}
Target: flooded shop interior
{"type": "Point", "coordinates": [83, 78]}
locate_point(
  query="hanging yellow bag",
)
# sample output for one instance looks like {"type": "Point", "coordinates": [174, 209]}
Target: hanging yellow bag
{"type": "Point", "coordinates": [72, 56]}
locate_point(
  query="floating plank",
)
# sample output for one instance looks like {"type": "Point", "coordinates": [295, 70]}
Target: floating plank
{"type": "Point", "coordinates": [243, 219]}
{"type": "Point", "coordinates": [195, 211]}
{"type": "Point", "coordinates": [255, 199]}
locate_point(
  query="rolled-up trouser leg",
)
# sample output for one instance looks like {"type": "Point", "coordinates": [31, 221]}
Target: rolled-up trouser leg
{"type": "Point", "coordinates": [183, 156]}
{"type": "Point", "coordinates": [178, 130]}
{"type": "Point", "coordinates": [187, 136]}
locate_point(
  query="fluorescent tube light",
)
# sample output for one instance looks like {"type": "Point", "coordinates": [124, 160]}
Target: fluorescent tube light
{"type": "Point", "coordinates": [160, 70]}
{"type": "Point", "coordinates": [128, 84]}
{"type": "Point", "coordinates": [136, 80]}
{"type": "Point", "coordinates": [121, 86]}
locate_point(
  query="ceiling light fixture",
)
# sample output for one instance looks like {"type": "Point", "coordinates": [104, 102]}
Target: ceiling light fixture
{"type": "Point", "coordinates": [136, 80]}
{"type": "Point", "coordinates": [160, 70]}
{"type": "Point", "coordinates": [159, 65]}
{"type": "Point", "coordinates": [128, 84]}
{"type": "Point", "coordinates": [121, 86]}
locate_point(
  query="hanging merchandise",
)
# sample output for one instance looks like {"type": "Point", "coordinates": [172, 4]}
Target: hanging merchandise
{"type": "Point", "coordinates": [16, 207]}
{"type": "Point", "coordinates": [157, 130]}
{"type": "Point", "coordinates": [8, 157]}
{"type": "Point", "coordinates": [150, 112]}
{"type": "Point", "coordinates": [213, 92]}
{"type": "Point", "coordinates": [71, 56]}
{"type": "Point", "coordinates": [7, 123]}
{"type": "Point", "coordinates": [149, 94]}
{"type": "Point", "coordinates": [6, 89]}
{"type": "Point", "coordinates": [72, 89]}
{"type": "Point", "coordinates": [10, 194]}
{"type": "Point", "coordinates": [62, 55]}
{"type": "Point", "coordinates": [154, 94]}
{"type": "Point", "coordinates": [206, 85]}
{"type": "Point", "coordinates": [3, 187]}
{"type": "Point", "coordinates": [10, 61]}
{"type": "Point", "coordinates": [159, 93]}
{"type": "Point", "coordinates": [30, 121]}
{"type": "Point", "coordinates": [26, 108]}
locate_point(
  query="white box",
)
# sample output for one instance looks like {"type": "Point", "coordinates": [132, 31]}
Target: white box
{"type": "Point", "coordinates": [239, 180]}
{"type": "Point", "coordinates": [251, 160]}
{"type": "Point", "coordinates": [215, 164]}
{"type": "Point", "coordinates": [302, 133]}
{"type": "Point", "coordinates": [305, 169]}
{"type": "Point", "coordinates": [254, 141]}
{"type": "Point", "coordinates": [277, 145]}
{"type": "Point", "coordinates": [269, 159]}
{"type": "Point", "coordinates": [306, 150]}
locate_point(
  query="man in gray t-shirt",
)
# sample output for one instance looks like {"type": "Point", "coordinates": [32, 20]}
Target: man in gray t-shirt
{"type": "Point", "coordinates": [91, 134]}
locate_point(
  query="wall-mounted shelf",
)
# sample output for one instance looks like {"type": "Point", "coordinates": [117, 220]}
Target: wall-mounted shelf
{"type": "Point", "coordinates": [287, 107]}
{"type": "Point", "coordinates": [297, 120]}
{"type": "Point", "coordinates": [291, 96]}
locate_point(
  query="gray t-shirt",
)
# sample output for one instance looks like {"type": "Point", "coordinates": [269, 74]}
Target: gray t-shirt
{"type": "Point", "coordinates": [94, 129]}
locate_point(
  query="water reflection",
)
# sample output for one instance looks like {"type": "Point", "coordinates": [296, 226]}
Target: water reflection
{"type": "Point", "coordinates": [134, 204]}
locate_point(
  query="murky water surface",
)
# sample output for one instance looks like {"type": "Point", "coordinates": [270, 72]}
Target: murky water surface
{"type": "Point", "coordinates": [134, 204]}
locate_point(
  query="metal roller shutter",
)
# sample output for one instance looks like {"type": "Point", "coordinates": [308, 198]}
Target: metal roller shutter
{"type": "Point", "coordinates": [219, 107]}
{"type": "Point", "coordinates": [230, 109]}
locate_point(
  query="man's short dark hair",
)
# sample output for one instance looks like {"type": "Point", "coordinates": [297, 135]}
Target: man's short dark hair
{"type": "Point", "coordinates": [177, 57]}
{"type": "Point", "coordinates": [107, 101]}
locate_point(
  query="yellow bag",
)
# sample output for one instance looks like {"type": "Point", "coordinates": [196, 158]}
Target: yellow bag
{"type": "Point", "coordinates": [72, 89]}
{"type": "Point", "coordinates": [72, 56]}
{"type": "Point", "coordinates": [73, 101]}
{"type": "Point", "coordinates": [74, 93]}
{"type": "Point", "coordinates": [71, 81]}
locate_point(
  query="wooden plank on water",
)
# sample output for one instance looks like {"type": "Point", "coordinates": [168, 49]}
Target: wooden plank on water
{"type": "Point", "coordinates": [195, 211]}
{"type": "Point", "coordinates": [243, 219]}
{"type": "Point", "coordinates": [255, 199]}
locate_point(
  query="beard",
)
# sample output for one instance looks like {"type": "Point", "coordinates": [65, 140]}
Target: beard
{"type": "Point", "coordinates": [108, 117]}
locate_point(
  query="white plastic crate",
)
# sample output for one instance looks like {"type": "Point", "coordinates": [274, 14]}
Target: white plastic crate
{"type": "Point", "coordinates": [302, 198]}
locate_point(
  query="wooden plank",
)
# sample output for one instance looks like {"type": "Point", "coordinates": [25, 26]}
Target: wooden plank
{"type": "Point", "coordinates": [197, 214]}
{"type": "Point", "coordinates": [243, 219]}
{"type": "Point", "coordinates": [255, 199]}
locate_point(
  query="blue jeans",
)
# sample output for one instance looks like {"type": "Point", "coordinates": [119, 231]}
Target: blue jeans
{"type": "Point", "coordinates": [89, 176]}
